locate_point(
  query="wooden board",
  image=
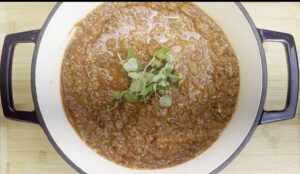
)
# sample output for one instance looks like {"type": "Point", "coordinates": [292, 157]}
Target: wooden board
{"type": "Point", "coordinates": [274, 148]}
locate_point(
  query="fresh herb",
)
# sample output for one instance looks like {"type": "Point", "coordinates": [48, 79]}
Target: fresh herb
{"type": "Point", "coordinates": [154, 79]}
{"type": "Point", "coordinates": [131, 65]}
{"type": "Point", "coordinates": [165, 101]}
{"type": "Point", "coordinates": [163, 53]}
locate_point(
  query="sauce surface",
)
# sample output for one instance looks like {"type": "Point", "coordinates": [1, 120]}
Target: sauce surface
{"type": "Point", "coordinates": [147, 135]}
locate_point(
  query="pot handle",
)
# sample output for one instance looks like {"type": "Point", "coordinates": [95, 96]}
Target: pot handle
{"type": "Point", "coordinates": [293, 76]}
{"type": "Point", "coordinates": [9, 45]}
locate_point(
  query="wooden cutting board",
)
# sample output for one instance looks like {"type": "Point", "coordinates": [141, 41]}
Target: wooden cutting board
{"type": "Point", "coordinates": [274, 148]}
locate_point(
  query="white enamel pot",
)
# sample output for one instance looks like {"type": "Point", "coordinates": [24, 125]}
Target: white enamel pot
{"type": "Point", "coordinates": [246, 40]}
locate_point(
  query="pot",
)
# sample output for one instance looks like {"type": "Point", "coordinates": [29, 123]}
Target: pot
{"type": "Point", "coordinates": [246, 40]}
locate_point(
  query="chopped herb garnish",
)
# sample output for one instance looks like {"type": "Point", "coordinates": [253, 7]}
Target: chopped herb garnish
{"type": "Point", "coordinates": [165, 101]}
{"type": "Point", "coordinates": [155, 79]}
{"type": "Point", "coordinates": [131, 65]}
{"type": "Point", "coordinates": [163, 53]}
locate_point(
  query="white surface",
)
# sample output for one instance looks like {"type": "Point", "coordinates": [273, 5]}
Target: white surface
{"type": "Point", "coordinates": [49, 58]}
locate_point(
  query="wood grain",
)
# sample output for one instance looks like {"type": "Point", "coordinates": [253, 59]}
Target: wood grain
{"type": "Point", "coordinates": [274, 148]}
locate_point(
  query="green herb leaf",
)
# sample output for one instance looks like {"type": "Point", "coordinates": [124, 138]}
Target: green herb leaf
{"type": "Point", "coordinates": [168, 68]}
{"type": "Point", "coordinates": [163, 83]}
{"type": "Point", "coordinates": [149, 77]}
{"type": "Point", "coordinates": [160, 87]}
{"type": "Point", "coordinates": [170, 58]}
{"type": "Point", "coordinates": [156, 63]}
{"type": "Point", "coordinates": [148, 90]}
{"type": "Point", "coordinates": [156, 76]}
{"type": "Point", "coordinates": [173, 78]}
{"type": "Point", "coordinates": [137, 85]}
{"type": "Point", "coordinates": [162, 92]}
{"type": "Point", "coordinates": [143, 83]}
{"type": "Point", "coordinates": [134, 75]}
{"type": "Point", "coordinates": [165, 101]}
{"type": "Point", "coordinates": [131, 65]}
{"type": "Point", "coordinates": [131, 97]}
{"type": "Point", "coordinates": [134, 87]}
{"type": "Point", "coordinates": [169, 91]}
{"type": "Point", "coordinates": [162, 53]}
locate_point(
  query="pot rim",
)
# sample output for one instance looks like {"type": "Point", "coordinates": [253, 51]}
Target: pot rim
{"type": "Point", "coordinates": [216, 170]}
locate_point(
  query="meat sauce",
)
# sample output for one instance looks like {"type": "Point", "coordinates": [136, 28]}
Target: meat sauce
{"type": "Point", "coordinates": [147, 135]}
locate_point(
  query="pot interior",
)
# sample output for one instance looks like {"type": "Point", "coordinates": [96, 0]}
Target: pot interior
{"type": "Point", "coordinates": [47, 82]}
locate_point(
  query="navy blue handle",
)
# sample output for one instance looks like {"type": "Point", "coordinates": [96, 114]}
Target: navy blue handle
{"type": "Point", "coordinates": [6, 73]}
{"type": "Point", "coordinates": [293, 76]}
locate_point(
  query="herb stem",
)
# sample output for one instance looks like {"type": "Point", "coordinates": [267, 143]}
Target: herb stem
{"type": "Point", "coordinates": [121, 60]}
{"type": "Point", "coordinates": [153, 58]}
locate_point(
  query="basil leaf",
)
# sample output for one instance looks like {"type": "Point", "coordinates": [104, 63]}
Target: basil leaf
{"type": "Point", "coordinates": [149, 77]}
{"type": "Point", "coordinates": [134, 86]}
{"type": "Point", "coordinates": [134, 75]}
{"type": "Point", "coordinates": [158, 77]}
{"type": "Point", "coordinates": [173, 78]}
{"type": "Point", "coordinates": [155, 63]}
{"type": "Point", "coordinates": [168, 68]}
{"type": "Point", "coordinates": [165, 101]}
{"type": "Point", "coordinates": [147, 90]}
{"type": "Point", "coordinates": [131, 65]}
{"type": "Point", "coordinates": [163, 83]}
{"type": "Point", "coordinates": [169, 91]}
{"type": "Point", "coordinates": [170, 58]}
{"type": "Point", "coordinates": [162, 92]}
{"type": "Point", "coordinates": [143, 83]}
{"type": "Point", "coordinates": [162, 53]}
{"type": "Point", "coordinates": [131, 97]}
